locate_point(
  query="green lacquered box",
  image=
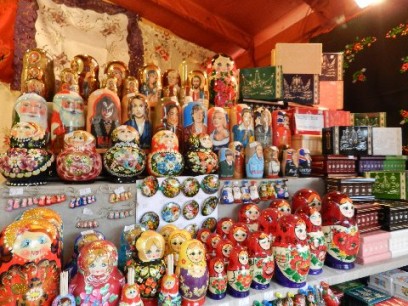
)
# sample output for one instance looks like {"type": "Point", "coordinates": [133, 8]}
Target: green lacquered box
{"type": "Point", "coordinates": [262, 83]}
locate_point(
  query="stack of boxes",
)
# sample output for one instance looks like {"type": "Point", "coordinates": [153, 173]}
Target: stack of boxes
{"type": "Point", "coordinates": [393, 282]}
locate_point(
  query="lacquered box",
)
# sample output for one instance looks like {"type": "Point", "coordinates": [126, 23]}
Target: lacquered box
{"type": "Point", "coordinates": [306, 120]}
{"type": "Point", "coordinates": [387, 141]}
{"type": "Point", "coordinates": [347, 140]}
{"type": "Point", "coordinates": [331, 94]}
{"type": "Point", "coordinates": [367, 215]}
{"type": "Point", "coordinates": [401, 285]}
{"type": "Point", "coordinates": [369, 119]}
{"type": "Point", "coordinates": [311, 142]}
{"type": "Point", "coordinates": [388, 184]}
{"type": "Point", "coordinates": [356, 186]}
{"type": "Point", "coordinates": [331, 165]}
{"type": "Point", "coordinates": [301, 88]}
{"type": "Point", "coordinates": [380, 163]}
{"type": "Point", "coordinates": [332, 66]}
{"type": "Point", "coordinates": [393, 214]}
{"type": "Point", "coordinates": [373, 243]}
{"type": "Point", "coordinates": [336, 118]}
{"type": "Point", "coordinates": [364, 296]}
{"type": "Point", "coordinates": [399, 243]}
{"type": "Point", "coordinates": [384, 281]}
{"type": "Point", "coordinates": [263, 83]}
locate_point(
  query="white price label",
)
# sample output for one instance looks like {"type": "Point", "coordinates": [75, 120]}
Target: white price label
{"type": "Point", "coordinates": [85, 191]}
{"type": "Point", "coordinates": [88, 232]}
{"type": "Point", "coordinates": [119, 190]}
{"type": "Point", "coordinates": [129, 228]}
{"type": "Point", "coordinates": [16, 191]}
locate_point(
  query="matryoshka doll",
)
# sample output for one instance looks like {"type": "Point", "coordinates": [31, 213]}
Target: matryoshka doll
{"type": "Point", "coordinates": [239, 158]}
{"type": "Point", "coordinates": [224, 226]}
{"type": "Point", "coordinates": [217, 287]}
{"type": "Point", "coordinates": [176, 239]}
{"type": "Point", "coordinates": [197, 88]}
{"type": "Point", "coordinates": [120, 72]}
{"type": "Point", "coordinates": [169, 294]}
{"type": "Point", "coordinates": [281, 129]}
{"type": "Point", "coordinates": [165, 231]}
{"type": "Point", "coordinates": [165, 159]}
{"type": "Point", "coordinates": [239, 273]}
{"type": "Point", "coordinates": [211, 244]}
{"type": "Point", "coordinates": [99, 280]}
{"type": "Point", "coordinates": [130, 292]}
{"type": "Point", "coordinates": [199, 157]}
{"type": "Point", "coordinates": [311, 197]}
{"type": "Point", "coordinates": [87, 69]}
{"type": "Point", "coordinates": [193, 272]}
{"type": "Point", "coordinates": [238, 233]}
{"type": "Point", "coordinates": [282, 205]}
{"type": "Point", "coordinates": [167, 116]}
{"type": "Point", "coordinates": [340, 230]}
{"type": "Point", "coordinates": [149, 265]}
{"type": "Point", "coordinates": [79, 161]}
{"type": "Point", "coordinates": [254, 160]}
{"type": "Point", "coordinates": [203, 234]}
{"type": "Point", "coordinates": [272, 163]}
{"type": "Point", "coordinates": [268, 221]}
{"type": "Point", "coordinates": [194, 119]}
{"type": "Point", "coordinates": [172, 84]}
{"type": "Point", "coordinates": [130, 89]}
{"type": "Point", "coordinates": [68, 80]}
{"type": "Point", "coordinates": [218, 127]}
{"type": "Point", "coordinates": [263, 126]}
{"type": "Point", "coordinates": [305, 162]}
{"type": "Point", "coordinates": [125, 160]}
{"type": "Point", "coordinates": [260, 259]}
{"type": "Point", "coordinates": [290, 162]}
{"type": "Point", "coordinates": [249, 214]}
{"type": "Point", "coordinates": [226, 163]}
{"type": "Point", "coordinates": [223, 250]}
{"type": "Point", "coordinates": [30, 107]}
{"type": "Point", "coordinates": [242, 124]}
{"type": "Point", "coordinates": [291, 251]}
{"type": "Point", "coordinates": [150, 84]}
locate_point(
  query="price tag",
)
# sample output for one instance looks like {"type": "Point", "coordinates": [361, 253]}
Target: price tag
{"type": "Point", "coordinates": [129, 228]}
{"type": "Point", "coordinates": [119, 190]}
{"type": "Point", "coordinates": [88, 232]}
{"type": "Point", "coordinates": [16, 191]}
{"type": "Point", "coordinates": [85, 191]}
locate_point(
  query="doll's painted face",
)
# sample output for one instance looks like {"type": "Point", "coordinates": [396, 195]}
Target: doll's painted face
{"type": "Point", "coordinates": [215, 240]}
{"type": "Point", "coordinates": [138, 109]}
{"type": "Point", "coordinates": [223, 64]}
{"type": "Point", "coordinates": [240, 235]}
{"type": "Point", "coordinates": [300, 231]}
{"type": "Point", "coordinates": [243, 257]}
{"type": "Point", "coordinates": [226, 250]}
{"type": "Point", "coordinates": [23, 130]}
{"type": "Point", "coordinates": [31, 109]}
{"type": "Point", "coordinates": [226, 225]}
{"type": "Point", "coordinates": [219, 266]}
{"type": "Point", "coordinates": [347, 209]}
{"type": "Point", "coordinates": [131, 292]}
{"type": "Point", "coordinates": [32, 245]}
{"type": "Point", "coordinates": [284, 208]}
{"type": "Point", "coordinates": [176, 242]}
{"type": "Point", "coordinates": [195, 254]}
{"type": "Point", "coordinates": [315, 202]}
{"type": "Point", "coordinates": [265, 243]}
{"type": "Point", "coordinates": [100, 266]}
{"type": "Point", "coordinates": [206, 141]}
{"type": "Point", "coordinates": [252, 213]}
{"type": "Point", "coordinates": [169, 282]}
{"type": "Point", "coordinates": [204, 236]}
{"type": "Point", "coordinates": [316, 218]}
{"type": "Point", "coordinates": [126, 133]}
{"type": "Point", "coordinates": [169, 140]}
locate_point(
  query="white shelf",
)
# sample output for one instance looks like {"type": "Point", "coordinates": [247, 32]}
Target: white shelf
{"type": "Point", "coordinates": [329, 275]}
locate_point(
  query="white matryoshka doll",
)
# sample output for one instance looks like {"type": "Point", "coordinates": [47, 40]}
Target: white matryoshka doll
{"type": "Point", "coordinates": [272, 164]}
{"type": "Point", "coordinates": [87, 69]}
{"type": "Point", "coordinates": [239, 158]}
{"type": "Point", "coordinates": [120, 71]}
{"type": "Point", "coordinates": [130, 292]}
{"type": "Point", "coordinates": [169, 294]}
{"type": "Point", "coordinates": [79, 161]}
{"type": "Point", "coordinates": [150, 84]}
{"type": "Point", "coordinates": [30, 261]}
{"type": "Point", "coordinates": [130, 89]}
{"type": "Point", "coordinates": [239, 273]}
{"type": "Point", "coordinates": [291, 251]}
{"type": "Point", "coordinates": [218, 280]}
{"type": "Point", "coordinates": [263, 126]}
{"type": "Point", "coordinates": [149, 265]}
{"type": "Point", "coordinates": [165, 158]}
{"type": "Point", "coordinates": [218, 127]}
{"type": "Point", "coordinates": [254, 160]}
{"type": "Point", "coordinates": [340, 230]}
{"type": "Point", "coordinates": [242, 124]}
{"type": "Point", "coordinates": [260, 259]}
{"type": "Point", "coordinates": [125, 160]}
{"type": "Point", "coordinates": [30, 107]}
{"type": "Point", "coordinates": [99, 281]}
{"type": "Point", "coordinates": [176, 239]}
{"type": "Point", "coordinates": [249, 214]}
{"type": "Point", "coordinates": [200, 158]}
{"type": "Point", "coordinates": [193, 273]}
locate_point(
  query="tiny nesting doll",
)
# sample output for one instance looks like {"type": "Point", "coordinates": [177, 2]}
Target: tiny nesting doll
{"type": "Point", "coordinates": [165, 231]}
{"type": "Point", "coordinates": [150, 84]}
{"type": "Point", "coordinates": [272, 163]}
{"type": "Point", "coordinates": [224, 226]}
{"type": "Point", "coordinates": [311, 197]}
{"type": "Point", "coordinates": [226, 163]}
{"type": "Point", "coordinates": [68, 80]}
{"type": "Point", "coordinates": [239, 158]}
{"type": "Point", "coordinates": [87, 69]}
{"type": "Point", "coordinates": [130, 292]}
{"type": "Point", "coordinates": [239, 273]}
{"type": "Point", "coordinates": [79, 161]}
{"type": "Point", "coordinates": [238, 234]}
{"type": "Point", "coordinates": [328, 296]}
{"type": "Point", "coordinates": [217, 287]}
{"type": "Point", "coordinates": [176, 239]}
{"type": "Point", "coordinates": [291, 251]}
{"type": "Point", "coordinates": [290, 162]}
{"type": "Point", "coordinates": [249, 214]}
{"type": "Point", "coordinates": [193, 272]}
{"type": "Point", "coordinates": [165, 159]}
{"type": "Point", "coordinates": [203, 234]}
{"type": "Point", "coordinates": [31, 107]}
{"type": "Point", "coordinates": [242, 124]}
{"type": "Point", "coordinates": [130, 89]}
{"type": "Point", "coordinates": [194, 119]}
{"type": "Point", "coordinates": [199, 158]}
{"type": "Point", "coordinates": [260, 259]}
{"type": "Point", "coordinates": [223, 250]}
{"type": "Point", "coordinates": [281, 129]}
{"type": "Point", "coordinates": [211, 244]}
{"type": "Point", "coordinates": [268, 221]}
{"type": "Point", "coordinates": [99, 280]}
{"type": "Point", "coordinates": [254, 160]}
{"type": "Point", "coordinates": [169, 294]}
{"type": "Point", "coordinates": [149, 265]}
{"type": "Point", "coordinates": [124, 161]}
{"type": "Point", "coordinates": [282, 205]}
{"type": "Point", "coordinates": [218, 127]}
{"type": "Point", "coordinates": [120, 71]}
{"type": "Point", "coordinates": [26, 162]}
{"type": "Point", "coordinates": [305, 162]}
{"type": "Point", "coordinates": [263, 126]}
{"type": "Point", "coordinates": [340, 230]}
{"type": "Point", "coordinates": [167, 116]}
{"type": "Point", "coordinates": [172, 84]}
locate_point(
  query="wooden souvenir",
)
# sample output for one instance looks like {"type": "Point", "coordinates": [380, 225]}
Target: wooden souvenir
{"type": "Point", "coordinates": [193, 272]}
{"type": "Point", "coordinates": [281, 135]}
{"type": "Point", "coordinates": [176, 239]}
{"type": "Point", "coordinates": [291, 251]}
{"type": "Point", "coordinates": [67, 116]}
{"type": "Point", "coordinates": [238, 234]}
{"type": "Point", "coordinates": [304, 162]}
{"type": "Point", "coordinates": [333, 165]}
{"type": "Point", "coordinates": [242, 124]}
{"type": "Point", "coordinates": [104, 114]}
{"type": "Point", "coordinates": [340, 230]}
{"type": "Point", "coordinates": [272, 163]}
{"type": "Point", "coordinates": [328, 296]}
{"type": "Point", "coordinates": [260, 259]}
{"type": "Point", "coordinates": [150, 84]}
{"type": "Point", "coordinates": [99, 280]}
{"type": "Point", "coordinates": [380, 163]}
{"type": "Point", "coordinates": [211, 244]}
{"type": "Point", "coordinates": [199, 157]}
{"type": "Point", "coordinates": [218, 280]}
{"type": "Point", "coordinates": [347, 140]}
{"type": "Point", "coordinates": [254, 160]}
{"type": "Point", "coordinates": [282, 205]}
{"type": "Point", "coordinates": [130, 89]}
{"type": "Point", "coordinates": [169, 294]}
{"type": "Point", "coordinates": [239, 273]}
{"type": "Point", "coordinates": [203, 234]}
{"type": "Point", "coordinates": [223, 250]}
{"type": "Point", "coordinates": [263, 126]}
{"type": "Point", "coordinates": [301, 88]}
{"type": "Point", "coordinates": [130, 292]}
{"type": "Point", "coordinates": [239, 158]}
{"type": "Point", "coordinates": [165, 231]}
{"type": "Point", "coordinates": [167, 116]}
{"type": "Point", "coordinates": [87, 69]}
{"type": "Point", "coordinates": [290, 163]}
{"type": "Point", "coordinates": [261, 83]}
{"type": "Point", "coordinates": [31, 107]}
{"type": "Point", "coordinates": [68, 81]}
{"type": "Point", "coordinates": [172, 85]}
{"type": "Point", "coordinates": [223, 84]}
{"type": "Point", "coordinates": [224, 226]}
{"type": "Point", "coordinates": [79, 161]}
{"type": "Point", "coordinates": [227, 166]}
{"type": "Point", "coordinates": [194, 119]}
{"type": "Point", "coordinates": [393, 215]}
{"type": "Point", "coordinates": [197, 87]}
{"type": "Point", "coordinates": [120, 71]}
{"type": "Point", "coordinates": [249, 214]}
{"type": "Point", "coordinates": [305, 196]}
{"type": "Point", "coordinates": [111, 83]}
{"type": "Point", "coordinates": [218, 127]}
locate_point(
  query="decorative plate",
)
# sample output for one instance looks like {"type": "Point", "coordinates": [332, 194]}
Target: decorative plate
{"type": "Point", "coordinates": [150, 220]}
{"type": "Point", "coordinates": [210, 184]}
{"type": "Point", "coordinates": [170, 212]}
{"type": "Point", "coordinates": [171, 187]}
{"type": "Point", "coordinates": [125, 160]}
{"type": "Point", "coordinates": [209, 206]}
{"type": "Point", "coordinates": [190, 209]}
{"type": "Point", "coordinates": [165, 163]}
{"type": "Point", "coordinates": [192, 229]}
{"type": "Point", "coordinates": [209, 223]}
{"type": "Point", "coordinates": [149, 186]}
{"type": "Point", "coordinates": [190, 187]}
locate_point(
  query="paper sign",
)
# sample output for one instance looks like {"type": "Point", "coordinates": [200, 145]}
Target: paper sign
{"type": "Point", "coordinates": [16, 191]}
{"type": "Point", "coordinates": [85, 191]}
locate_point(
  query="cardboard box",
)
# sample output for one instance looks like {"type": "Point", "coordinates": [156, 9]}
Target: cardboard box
{"type": "Point", "coordinates": [301, 88]}
{"type": "Point", "coordinates": [263, 83]}
{"type": "Point", "coordinates": [387, 141]}
{"type": "Point", "coordinates": [305, 120]}
{"type": "Point", "coordinates": [311, 142]}
{"type": "Point", "coordinates": [347, 140]}
{"type": "Point", "coordinates": [384, 280]}
{"type": "Point", "coordinates": [332, 66]}
{"type": "Point", "coordinates": [378, 119]}
{"type": "Point", "coordinates": [388, 184]}
{"type": "Point", "coordinates": [336, 118]}
{"type": "Point", "coordinates": [331, 94]}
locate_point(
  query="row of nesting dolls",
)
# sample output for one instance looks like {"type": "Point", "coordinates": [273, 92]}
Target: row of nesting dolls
{"type": "Point", "coordinates": [83, 77]}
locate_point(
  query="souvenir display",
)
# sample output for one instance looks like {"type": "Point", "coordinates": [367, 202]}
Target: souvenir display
{"type": "Point", "coordinates": [239, 158]}
{"type": "Point", "coordinates": [172, 84]}
{"type": "Point", "coordinates": [224, 226]}
{"type": "Point", "coordinates": [238, 234]}
{"type": "Point", "coordinates": [190, 187]}
{"type": "Point", "coordinates": [30, 107]}
{"type": "Point", "coordinates": [282, 205]}
{"type": "Point", "coordinates": [170, 212]}
{"type": "Point", "coordinates": [169, 294]}
{"type": "Point", "coordinates": [272, 163]}
{"type": "Point", "coordinates": [99, 280]}
{"type": "Point", "coordinates": [223, 250]}
{"type": "Point", "coordinates": [120, 72]}
{"type": "Point", "coordinates": [211, 244]}
{"type": "Point", "coordinates": [138, 116]}
{"type": "Point", "coordinates": [218, 280]}
{"type": "Point", "coordinates": [242, 124]}
{"type": "Point", "coordinates": [165, 159]}
{"type": "Point", "coordinates": [87, 70]}
{"type": "Point", "coordinates": [223, 84]}
{"type": "Point", "coordinates": [260, 260]}
{"type": "Point", "coordinates": [165, 231]}
{"type": "Point", "coordinates": [191, 209]}
{"type": "Point", "coordinates": [291, 252]}
{"type": "Point", "coordinates": [194, 119]}
{"type": "Point", "coordinates": [193, 272]}
{"type": "Point", "coordinates": [124, 161]}
{"type": "Point", "coordinates": [167, 117]}
{"type": "Point", "coordinates": [226, 194]}
{"type": "Point", "coordinates": [68, 80]}
{"type": "Point", "coordinates": [340, 230]}
{"type": "Point", "coordinates": [226, 163]}
{"type": "Point", "coordinates": [79, 161]}
{"type": "Point", "coordinates": [26, 162]}
{"type": "Point", "coordinates": [199, 157]}
{"type": "Point", "coordinates": [254, 160]}
{"type": "Point", "coordinates": [197, 87]}
{"type": "Point", "coordinates": [149, 265]}
{"type": "Point", "coordinates": [170, 187]}
{"type": "Point", "coordinates": [149, 186]}
{"type": "Point", "coordinates": [290, 162]}
{"type": "Point", "coordinates": [249, 214]}
{"type": "Point", "coordinates": [209, 205]}
{"type": "Point", "coordinates": [81, 201]}
{"type": "Point", "coordinates": [268, 221]}
{"type": "Point", "coordinates": [308, 197]}
{"type": "Point", "coordinates": [103, 116]}
{"type": "Point", "coordinates": [130, 89]}
{"type": "Point", "coordinates": [150, 84]}
{"type": "Point", "coordinates": [176, 239]}
{"type": "Point", "coordinates": [67, 116]}
{"type": "Point", "coordinates": [281, 129]}
{"type": "Point", "coordinates": [210, 184]}
{"type": "Point", "coordinates": [209, 223]}
{"type": "Point", "coordinates": [305, 162]}
{"type": "Point", "coordinates": [263, 126]}
{"type": "Point", "coordinates": [150, 220]}
{"type": "Point", "coordinates": [239, 273]}
{"type": "Point", "coordinates": [130, 292]}
{"type": "Point", "coordinates": [218, 127]}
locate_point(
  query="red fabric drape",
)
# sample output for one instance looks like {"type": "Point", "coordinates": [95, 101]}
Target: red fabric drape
{"type": "Point", "coordinates": [8, 10]}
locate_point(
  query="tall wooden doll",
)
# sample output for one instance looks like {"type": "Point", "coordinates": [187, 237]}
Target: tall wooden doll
{"type": "Point", "coordinates": [242, 124]}
{"type": "Point", "coordinates": [217, 287]}
{"type": "Point", "coordinates": [290, 162]}
{"type": "Point", "coordinates": [263, 126]}
{"type": "Point", "coordinates": [150, 84]}
{"type": "Point", "coordinates": [254, 160]}
{"type": "Point", "coordinates": [130, 89]}
{"type": "Point", "coordinates": [87, 69]}
{"type": "Point", "coordinates": [272, 164]}
{"type": "Point", "coordinates": [239, 157]}
{"type": "Point", "coordinates": [31, 107]}
{"type": "Point", "coordinates": [218, 127]}
{"type": "Point", "coordinates": [198, 88]}
{"type": "Point", "coordinates": [130, 292]}
{"type": "Point", "coordinates": [281, 129]}
{"type": "Point", "coordinates": [169, 294]}
{"type": "Point", "coordinates": [238, 273]}
{"type": "Point", "coordinates": [194, 119]}
{"type": "Point", "coordinates": [172, 85]}
{"type": "Point", "coordinates": [120, 72]}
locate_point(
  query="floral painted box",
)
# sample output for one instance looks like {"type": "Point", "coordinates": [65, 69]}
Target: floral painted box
{"type": "Point", "coordinates": [301, 88]}
{"type": "Point", "coordinates": [263, 83]}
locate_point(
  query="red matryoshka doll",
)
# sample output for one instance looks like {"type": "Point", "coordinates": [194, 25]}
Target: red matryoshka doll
{"type": "Point", "coordinates": [223, 250]}
{"type": "Point", "coordinates": [169, 294]}
{"type": "Point", "coordinates": [120, 72]}
{"type": "Point", "coordinates": [203, 234]}
{"type": "Point", "coordinates": [176, 239]}
{"type": "Point", "coordinates": [167, 116]}
{"type": "Point", "coordinates": [260, 260]}
{"type": "Point", "coordinates": [239, 273]}
{"type": "Point", "coordinates": [104, 115]}
{"type": "Point", "coordinates": [172, 84]}
{"type": "Point", "coordinates": [317, 243]}
{"type": "Point", "coordinates": [30, 107]}
{"type": "Point", "coordinates": [130, 89]}
{"type": "Point", "coordinates": [223, 77]}
{"type": "Point", "coordinates": [165, 158]}
{"type": "Point", "coordinates": [218, 127]}
{"type": "Point", "coordinates": [211, 244]}
{"type": "Point", "coordinates": [199, 157]}
{"type": "Point", "coordinates": [31, 262]}
{"type": "Point", "coordinates": [340, 230]}
{"type": "Point", "coordinates": [224, 226]}
{"type": "Point", "coordinates": [238, 234]}
{"type": "Point", "coordinates": [282, 205]}
{"type": "Point", "coordinates": [268, 221]}
{"type": "Point", "coordinates": [125, 160]}
{"type": "Point", "coordinates": [99, 280]}
{"type": "Point", "coordinates": [217, 286]}
{"type": "Point", "coordinates": [290, 162]}
{"type": "Point", "coordinates": [165, 231]}
{"type": "Point", "coordinates": [239, 158]}
{"type": "Point", "coordinates": [194, 119]}
{"type": "Point", "coordinates": [281, 129]}
{"type": "Point", "coordinates": [130, 292]}
{"type": "Point", "coordinates": [328, 296]}
{"type": "Point", "coordinates": [263, 126]}
{"type": "Point", "coordinates": [291, 251]}
{"type": "Point", "coordinates": [249, 214]}
{"type": "Point", "coordinates": [242, 124]}
{"type": "Point", "coordinates": [149, 265]}
{"type": "Point", "coordinates": [87, 69]}
{"type": "Point", "coordinates": [79, 161]}
{"type": "Point", "coordinates": [272, 163]}
{"type": "Point", "coordinates": [308, 197]}
{"type": "Point", "coordinates": [150, 84]}
{"type": "Point", "coordinates": [67, 116]}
